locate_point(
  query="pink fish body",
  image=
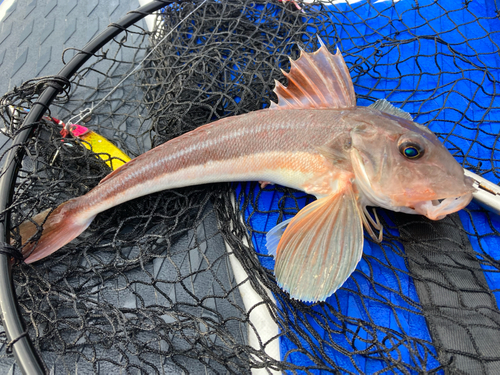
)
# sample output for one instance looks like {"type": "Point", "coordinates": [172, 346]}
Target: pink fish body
{"type": "Point", "coordinates": [315, 139]}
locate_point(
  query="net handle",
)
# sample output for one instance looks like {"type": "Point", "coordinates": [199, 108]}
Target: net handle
{"type": "Point", "coordinates": [19, 342]}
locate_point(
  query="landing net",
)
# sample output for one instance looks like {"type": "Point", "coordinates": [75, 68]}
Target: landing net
{"type": "Point", "coordinates": [180, 281]}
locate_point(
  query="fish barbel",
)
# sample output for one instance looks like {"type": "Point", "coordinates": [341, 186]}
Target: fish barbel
{"type": "Point", "coordinates": [314, 139]}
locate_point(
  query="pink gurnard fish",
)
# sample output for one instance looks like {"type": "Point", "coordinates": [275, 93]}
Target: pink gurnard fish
{"type": "Point", "coordinates": [314, 139]}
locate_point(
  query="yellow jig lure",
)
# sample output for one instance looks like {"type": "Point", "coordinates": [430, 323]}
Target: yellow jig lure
{"type": "Point", "coordinates": [104, 149]}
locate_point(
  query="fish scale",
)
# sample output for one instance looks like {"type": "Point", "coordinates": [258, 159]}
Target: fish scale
{"type": "Point", "coordinates": [273, 139]}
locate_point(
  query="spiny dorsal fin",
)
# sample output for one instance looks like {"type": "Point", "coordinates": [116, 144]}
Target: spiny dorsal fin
{"type": "Point", "coordinates": [316, 80]}
{"type": "Point", "coordinates": [384, 106]}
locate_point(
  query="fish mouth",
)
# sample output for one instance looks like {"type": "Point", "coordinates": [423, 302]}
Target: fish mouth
{"type": "Point", "coordinates": [437, 209]}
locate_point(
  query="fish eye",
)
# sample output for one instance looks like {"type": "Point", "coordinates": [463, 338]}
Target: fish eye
{"type": "Point", "coordinates": [411, 150]}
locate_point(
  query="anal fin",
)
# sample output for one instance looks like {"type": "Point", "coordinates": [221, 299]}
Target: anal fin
{"type": "Point", "coordinates": [320, 246]}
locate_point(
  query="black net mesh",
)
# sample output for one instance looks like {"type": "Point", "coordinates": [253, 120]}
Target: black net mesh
{"type": "Point", "coordinates": [161, 284]}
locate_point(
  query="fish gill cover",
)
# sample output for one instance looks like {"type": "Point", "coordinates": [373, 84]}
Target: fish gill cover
{"type": "Point", "coordinates": [150, 287]}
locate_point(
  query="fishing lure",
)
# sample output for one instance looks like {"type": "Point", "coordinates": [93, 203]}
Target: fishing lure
{"type": "Point", "coordinates": [103, 148]}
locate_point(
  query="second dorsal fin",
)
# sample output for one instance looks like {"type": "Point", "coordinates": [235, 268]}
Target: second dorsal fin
{"type": "Point", "coordinates": [385, 106]}
{"type": "Point", "coordinates": [317, 80]}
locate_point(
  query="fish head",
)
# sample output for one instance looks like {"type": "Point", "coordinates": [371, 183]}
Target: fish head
{"type": "Point", "coordinates": [402, 166]}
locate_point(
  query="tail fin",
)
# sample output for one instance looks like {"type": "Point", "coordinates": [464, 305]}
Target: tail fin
{"type": "Point", "coordinates": [60, 227]}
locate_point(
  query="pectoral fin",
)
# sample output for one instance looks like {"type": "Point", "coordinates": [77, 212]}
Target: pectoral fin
{"type": "Point", "coordinates": [320, 247]}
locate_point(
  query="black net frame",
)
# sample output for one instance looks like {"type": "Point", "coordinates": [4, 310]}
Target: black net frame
{"type": "Point", "coordinates": [194, 205]}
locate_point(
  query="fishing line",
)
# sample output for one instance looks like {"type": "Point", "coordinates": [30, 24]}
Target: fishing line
{"type": "Point", "coordinates": [89, 110]}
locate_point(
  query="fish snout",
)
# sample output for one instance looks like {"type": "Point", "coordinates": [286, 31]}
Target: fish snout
{"type": "Point", "coordinates": [437, 209]}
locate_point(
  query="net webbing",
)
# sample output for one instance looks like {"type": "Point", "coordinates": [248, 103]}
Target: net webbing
{"type": "Point", "coordinates": [150, 287]}
{"type": "Point", "coordinates": [461, 311]}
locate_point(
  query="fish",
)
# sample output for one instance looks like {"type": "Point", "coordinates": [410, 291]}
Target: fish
{"type": "Point", "coordinates": [315, 139]}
